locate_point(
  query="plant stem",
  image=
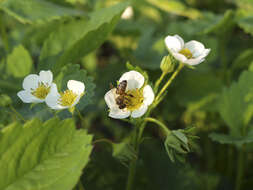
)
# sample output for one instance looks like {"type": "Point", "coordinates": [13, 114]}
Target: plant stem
{"type": "Point", "coordinates": [132, 167]}
{"type": "Point", "coordinates": [159, 123]}
{"type": "Point", "coordinates": [16, 113]}
{"type": "Point", "coordinates": [240, 169]}
{"type": "Point", "coordinates": [4, 34]}
{"type": "Point", "coordinates": [158, 82]}
{"type": "Point", "coordinates": [169, 82]}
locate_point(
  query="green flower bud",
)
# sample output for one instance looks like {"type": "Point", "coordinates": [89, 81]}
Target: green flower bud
{"type": "Point", "coordinates": [166, 65]}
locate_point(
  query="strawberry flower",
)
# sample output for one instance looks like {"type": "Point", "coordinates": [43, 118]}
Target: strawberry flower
{"type": "Point", "coordinates": [135, 99]}
{"type": "Point", "coordinates": [36, 87]}
{"type": "Point", "coordinates": [190, 53]}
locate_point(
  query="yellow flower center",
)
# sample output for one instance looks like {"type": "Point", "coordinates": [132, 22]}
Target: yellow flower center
{"type": "Point", "coordinates": [67, 98]}
{"type": "Point", "coordinates": [134, 99]}
{"type": "Point", "coordinates": [186, 52]}
{"type": "Point", "coordinates": [42, 91]}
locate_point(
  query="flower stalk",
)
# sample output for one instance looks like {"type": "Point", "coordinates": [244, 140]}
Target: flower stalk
{"type": "Point", "coordinates": [179, 68]}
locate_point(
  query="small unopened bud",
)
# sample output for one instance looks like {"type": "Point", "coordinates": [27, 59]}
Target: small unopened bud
{"type": "Point", "coordinates": [166, 65]}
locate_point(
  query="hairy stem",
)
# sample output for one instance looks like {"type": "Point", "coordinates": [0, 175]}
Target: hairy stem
{"type": "Point", "coordinates": [16, 113]}
{"type": "Point", "coordinates": [169, 82]}
{"type": "Point", "coordinates": [240, 169]}
{"type": "Point", "coordinates": [158, 82]}
{"type": "Point", "coordinates": [4, 34]}
{"type": "Point", "coordinates": [133, 163]}
{"type": "Point", "coordinates": [159, 123]}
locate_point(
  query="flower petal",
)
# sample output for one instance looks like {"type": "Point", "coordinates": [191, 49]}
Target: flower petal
{"type": "Point", "coordinates": [205, 53]}
{"type": "Point", "coordinates": [52, 99]}
{"type": "Point", "coordinates": [148, 94]}
{"type": "Point", "coordinates": [180, 57]}
{"type": "Point", "coordinates": [31, 82]}
{"type": "Point", "coordinates": [117, 113]}
{"type": "Point", "coordinates": [139, 112]}
{"type": "Point", "coordinates": [110, 98]}
{"type": "Point", "coordinates": [134, 79]}
{"type": "Point", "coordinates": [195, 47]}
{"type": "Point", "coordinates": [174, 43]}
{"type": "Point", "coordinates": [194, 61]}
{"type": "Point", "coordinates": [128, 13]}
{"type": "Point", "coordinates": [46, 77]}
{"type": "Point", "coordinates": [27, 97]}
{"type": "Point", "coordinates": [76, 86]}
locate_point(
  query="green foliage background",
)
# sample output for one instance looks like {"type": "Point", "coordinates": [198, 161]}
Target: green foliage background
{"type": "Point", "coordinates": [87, 40]}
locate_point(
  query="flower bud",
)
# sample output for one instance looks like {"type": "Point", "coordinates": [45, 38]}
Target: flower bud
{"type": "Point", "coordinates": [166, 65]}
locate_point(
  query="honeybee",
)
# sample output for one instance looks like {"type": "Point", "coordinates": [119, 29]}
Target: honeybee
{"type": "Point", "coordinates": [120, 90]}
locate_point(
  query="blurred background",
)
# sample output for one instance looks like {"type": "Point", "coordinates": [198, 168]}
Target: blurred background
{"type": "Point", "coordinates": [194, 99]}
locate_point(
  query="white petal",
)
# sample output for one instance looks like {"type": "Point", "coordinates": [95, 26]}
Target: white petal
{"type": "Point", "coordinates": [76, 86]}
{"type": "Point", "coordinates": [31, 82]}
{"type": "Point", "coordinates": [140, 112]}
{"type": "Point", "coordinates": [198, 60]}
{"type": "Point", "coordinates": [148, 95]}
{"type": "Point", "coordinates": [27, 97]}
{"type": "Point", "coordinates": [174, 43]}
{"type": "Point", "coordinates": [46, 77]}
{"type": "Point", "coordinates": [205, 53]}
{"type": "Point", "coordinates": [195, 47]}
{"type": "Point", "coordinates": [53, 97]}
{"type": "Point", "coordinates": [135, 80]}
{"type": "Point", "coordinates": [128, 13]}
{"type": "Point", "coordinates": [180, 57]}
{"type": "Point", "coordinates": [195, 61]}
{"type": "Point", "coordinates": [110, 98]}
{"type": "Point", "coordinates": [117, 113]}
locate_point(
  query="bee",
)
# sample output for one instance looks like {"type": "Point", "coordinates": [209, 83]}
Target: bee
{"type": "Point", "coordinates": [121, 91]}
{"type": "Point", "coordinates": [121, 88]}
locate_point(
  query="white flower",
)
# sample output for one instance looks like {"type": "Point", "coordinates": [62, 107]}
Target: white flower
{"type": "Point", "coordinates": [67, 99]}
{"type": "Point", "coordinates": [128, 13]}
{"type": "Point", "coordinates": [191, 53]}
{"type": "Point", "coordinates": [36, 87]}
{"type": "Point", "coordinates": [136, 98]}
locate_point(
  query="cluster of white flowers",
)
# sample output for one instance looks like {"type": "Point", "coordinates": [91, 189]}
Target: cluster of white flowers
{"type": "Point", "coordinates": [40, 88]}
{"type": "Point", "coordinates": [131, 97]}
{"type": "Point", "coordinates": [137, 97]}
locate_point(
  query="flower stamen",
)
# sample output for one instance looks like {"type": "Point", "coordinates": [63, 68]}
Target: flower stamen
{"type": "Point", "coordinates": [67, 98]}
{"type": "Point", "coordinates": [186, 52]}
{"type": "Point", "coordinates": [42, 91]}
{"type": "Point", "coordinates": [134, 99]}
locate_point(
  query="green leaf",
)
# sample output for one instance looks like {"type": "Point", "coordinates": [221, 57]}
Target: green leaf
{"type": "Point", "coordinates": [124, 152]}
{"type": "Point", "coordinates": [19, 62]}
{"type": "Point", "coordinates": [39, 11]}
{"type": "Point", "coordinates": [73, 72]}
{"type": "Point", "coordinates": [246, 24]}
{"type": "Point", "coordinates": [243, 60]}
{"type": "Point", "coordinates": [221, 24]}
{"type": "Point", "coordinates": [43, 156]}
{"type": "Point", "coordinates": [73, 40]}
{"type": "Point", "coordinates": [176, 144]}
{"type": "Point", "coordinates": [176, 7]}
{"type": "Point", "coordinates": [227, 139]}
{"type": "Point", "coordinates": [236, 103]}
